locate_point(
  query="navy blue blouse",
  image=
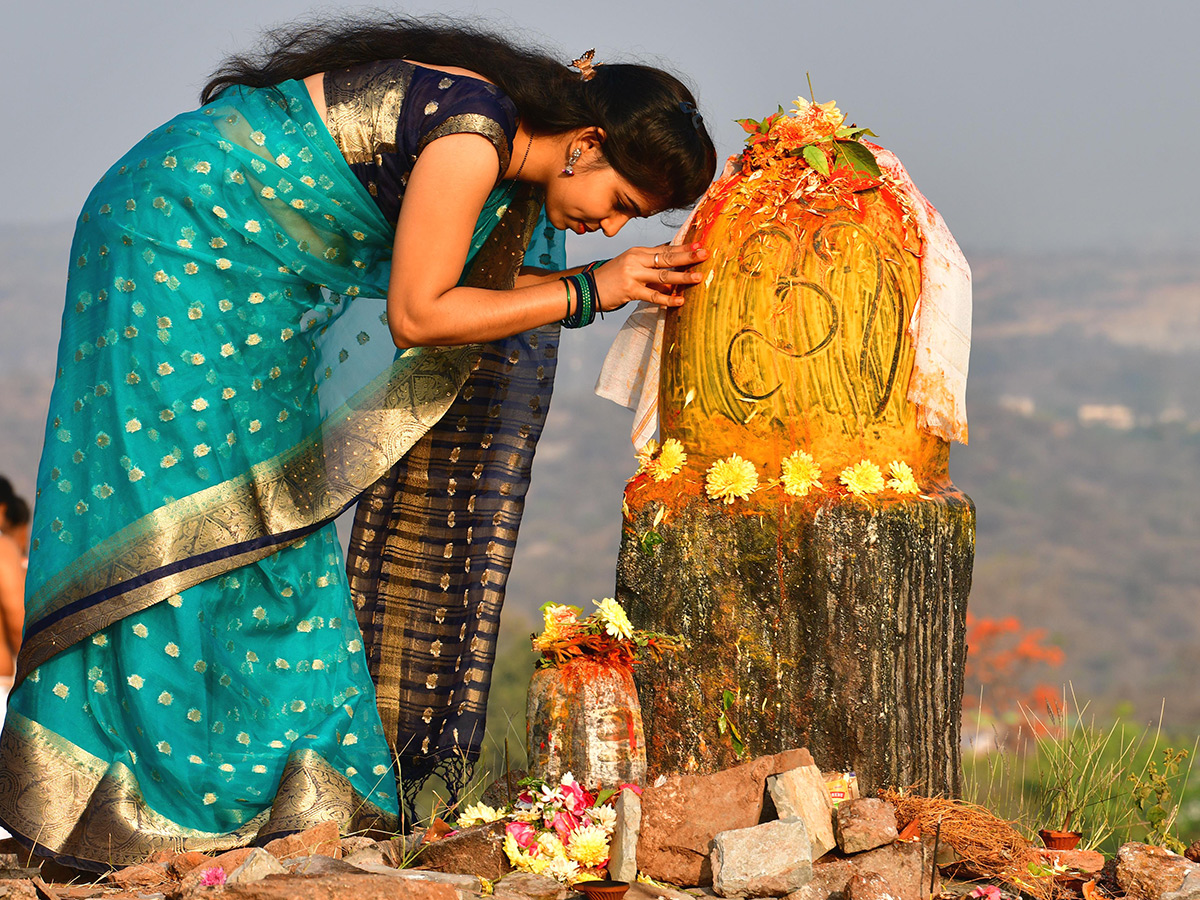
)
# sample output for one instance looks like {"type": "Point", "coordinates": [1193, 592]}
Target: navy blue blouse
{"type": "Point", "coordinates": [383, 114]}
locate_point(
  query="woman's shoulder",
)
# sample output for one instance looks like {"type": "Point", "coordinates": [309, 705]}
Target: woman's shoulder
{"type": "Point", "coordinates": [461, 90]}
{"type": "Point", "coordinates": [443, 102]}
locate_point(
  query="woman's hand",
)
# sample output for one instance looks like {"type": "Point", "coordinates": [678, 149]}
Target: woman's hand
{"type": "Point", "coordinates": [652, 274]}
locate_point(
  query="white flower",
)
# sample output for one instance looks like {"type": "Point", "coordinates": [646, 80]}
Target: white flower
{"type": "Point", "coordinates": [478, 814]}
{"type": "Point", "coordinates": [561, 869]}
{"type": "Point", "coordinates": [604, 816]}
{"type": "Point", "coordinates": [616, 623]}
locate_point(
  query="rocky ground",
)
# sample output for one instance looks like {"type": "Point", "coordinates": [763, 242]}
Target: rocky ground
{"type": "Point", "coordinates": [762, 829]}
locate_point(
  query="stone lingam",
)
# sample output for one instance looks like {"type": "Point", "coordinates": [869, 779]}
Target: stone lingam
{"type": "Point", "coordinates": [797, 524]}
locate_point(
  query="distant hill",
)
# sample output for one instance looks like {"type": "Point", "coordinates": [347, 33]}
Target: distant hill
{"type": "Point", "coordinates": [1084, 460]}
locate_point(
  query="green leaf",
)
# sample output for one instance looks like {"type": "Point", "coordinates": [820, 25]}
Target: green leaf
{"type": "Point", "coordinates": [815, 157]}
{"type": "Point", "coordinates": [721, 723]}
{"type": "Point", "coordinates": [604, 795]}
{"type": "Point", "coordinates": [728, 698]}
{"type": "Point", "coordinates": [859, 157]}
{"type": "Point", "coordinates": [739, 746]}
{"type": "Point", "coordinates": [650, 540]}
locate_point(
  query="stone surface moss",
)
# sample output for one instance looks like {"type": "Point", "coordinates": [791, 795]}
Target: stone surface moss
{"type": "Point", "coordinates": [836, 624]}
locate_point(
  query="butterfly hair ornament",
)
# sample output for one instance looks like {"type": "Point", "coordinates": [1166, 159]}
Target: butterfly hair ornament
{"type": "Point", "coordinates": [585, 65]}
{"type": "Point", "coordinates": [690, 109]}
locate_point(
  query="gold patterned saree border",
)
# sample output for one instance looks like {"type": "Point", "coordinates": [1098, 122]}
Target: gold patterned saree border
{"type": "Point", "coordinates": [91, 812]}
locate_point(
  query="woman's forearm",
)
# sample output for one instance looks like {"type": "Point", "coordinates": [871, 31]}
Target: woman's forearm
{"type": "Point", "coordinates": [530, 277]}
{"type": "Point", "coordinates": [466, 315]}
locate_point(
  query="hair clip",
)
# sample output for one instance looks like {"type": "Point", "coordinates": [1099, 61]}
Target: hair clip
{"type": "Point", "coordinates": [690, 109]}
{"type": "Point", "coordinates": [587, 68]}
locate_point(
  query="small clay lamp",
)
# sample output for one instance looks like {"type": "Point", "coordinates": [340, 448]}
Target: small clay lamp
{"type": "Point", "coordinates": [602, 890]}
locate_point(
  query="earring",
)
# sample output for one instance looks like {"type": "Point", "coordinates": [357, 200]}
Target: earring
{"type": "Point", "coordinates": [569, 168]}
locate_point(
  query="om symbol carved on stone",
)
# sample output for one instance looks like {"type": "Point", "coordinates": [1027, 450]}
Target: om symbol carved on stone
{"type": "Point", "coordinates": [799, 338]}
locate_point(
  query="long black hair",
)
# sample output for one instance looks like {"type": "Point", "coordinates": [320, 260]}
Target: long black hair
{"type": "Point", "coordinates": [654, 137]}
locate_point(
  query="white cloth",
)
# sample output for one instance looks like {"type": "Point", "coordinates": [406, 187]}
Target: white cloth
{"type": "Point", "coordinates": [940, 328]}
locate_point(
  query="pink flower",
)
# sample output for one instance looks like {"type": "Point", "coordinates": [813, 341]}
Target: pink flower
{"type": "Point", "coordinates": [986, 892]}
{"type": "Point", "coordinates": [564, 823]}
{"type": "Point", "coordinates": [633, 787]}
{"type": "Point", "coordinates": [213, 877]}
{"type": "Point", "coordinates": [575, 798]}
{"type": "Point", "coordinates": [523, 833]}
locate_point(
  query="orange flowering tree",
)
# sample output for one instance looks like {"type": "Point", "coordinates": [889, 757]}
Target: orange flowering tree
{"type": "Point", "coordinates": [1000, 656]}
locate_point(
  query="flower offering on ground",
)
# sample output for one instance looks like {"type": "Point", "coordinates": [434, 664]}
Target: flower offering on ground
{"type": "Point", "coordinates": [731, 479]}
{"type": "Point", "coordinates": [561, 831]}
{"type": "Point", "coordinates": [606, 636]}
{"type": "Point", "coordinates": [214, 877]}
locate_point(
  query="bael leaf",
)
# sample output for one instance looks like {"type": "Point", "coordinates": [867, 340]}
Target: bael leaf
{"type": "Point", "coordinates": [604, 795]}
{"type": "Point", "coordinates": [815, 157]}
{"type": "Point", "coordinates": [858, 157]}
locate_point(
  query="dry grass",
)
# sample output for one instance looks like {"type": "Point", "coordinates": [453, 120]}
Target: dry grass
{"type": "Point", "coordinates": [988, 846]}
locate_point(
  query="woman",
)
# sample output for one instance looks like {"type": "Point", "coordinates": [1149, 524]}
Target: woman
{"type": "Point", "coordinates": [192, 673]}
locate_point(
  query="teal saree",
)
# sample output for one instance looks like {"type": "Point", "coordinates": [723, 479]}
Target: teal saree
{"type": "Point", "coordinates": [193, 674]}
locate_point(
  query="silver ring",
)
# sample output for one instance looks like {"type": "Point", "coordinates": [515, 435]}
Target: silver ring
{"type": "Point", "coordinates": [656, 261]}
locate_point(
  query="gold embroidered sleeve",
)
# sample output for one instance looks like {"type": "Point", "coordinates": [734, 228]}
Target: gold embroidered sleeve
{"type": "Point", "coordinates": [473, 123]}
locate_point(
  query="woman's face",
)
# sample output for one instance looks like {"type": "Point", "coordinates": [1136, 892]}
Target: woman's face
{"type": "Point", "coordinates": [595, 198]}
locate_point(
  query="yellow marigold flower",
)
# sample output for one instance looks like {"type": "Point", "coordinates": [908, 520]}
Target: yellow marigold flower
{"type": "Point", "coordinates": [550, 847]}
{"type": "Point", "coordinates": [616, 623]}
{"type": "Point", "coordinates": [861, 478]}
{"type": "Point", "coordinates": [731, 479]}
{"type": "Point", "coordinates": [588, 846]}
{"type": "Point", "coordinates": [518, 857]}
{"type": "Point", "coordinates": [645, 456]}
{"type": "Point", "coordinates": [902, 481]}
{"type": "Point", "coordinates": [800, 474]}
{"type": "Point", "coordinates": [669, 462]}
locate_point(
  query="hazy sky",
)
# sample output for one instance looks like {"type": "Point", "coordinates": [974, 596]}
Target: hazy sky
{"type": "Point", "coordinates": [1032, 125]}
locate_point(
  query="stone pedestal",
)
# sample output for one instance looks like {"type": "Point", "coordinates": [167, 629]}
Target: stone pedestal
{"type": "Point", "coordinates": [836, 624]}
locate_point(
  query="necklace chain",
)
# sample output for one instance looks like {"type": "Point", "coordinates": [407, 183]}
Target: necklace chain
{"type": "Point", "coordinates": [503, 207]}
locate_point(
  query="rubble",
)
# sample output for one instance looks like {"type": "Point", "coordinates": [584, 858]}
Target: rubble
{"type": "Point", "coordinates": [801, 793]}
{"type": "Point", "coordinates": [864, 824]}
{"type": "Point", "coordinates": [682, 814]}
{"type": "Point", "coordinates": [760, 829]}
{"type": "Point", "coordinates": [622, 862]}
{"type": "Point", "coordinates": [765, 860]}
{"type": "Point", "coordinates": [1145, 872]}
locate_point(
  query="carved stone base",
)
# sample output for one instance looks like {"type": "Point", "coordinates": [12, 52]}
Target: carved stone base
{"type": "Point", "coordinates": [835, 624]}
